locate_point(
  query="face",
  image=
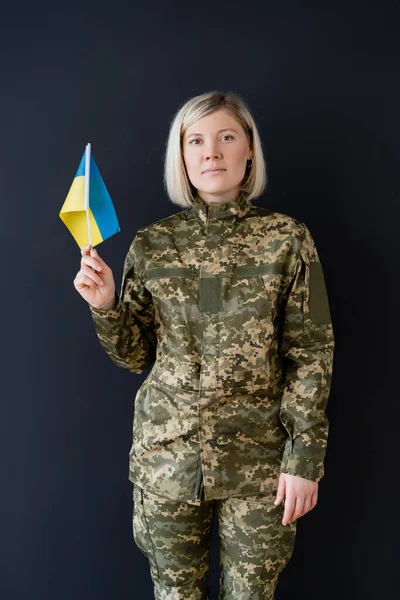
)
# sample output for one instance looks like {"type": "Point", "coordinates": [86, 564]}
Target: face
{"type": "Point", "coordinates": [216, 141]}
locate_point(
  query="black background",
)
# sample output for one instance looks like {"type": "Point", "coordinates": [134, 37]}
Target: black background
{"type": "Point", "coordinates": [322, 80]}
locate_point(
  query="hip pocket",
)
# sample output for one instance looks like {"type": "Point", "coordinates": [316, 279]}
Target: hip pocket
{"type": "Point", "coordinates": [280, 548]}
{"type": "Point", "coordinates": [141, 532]}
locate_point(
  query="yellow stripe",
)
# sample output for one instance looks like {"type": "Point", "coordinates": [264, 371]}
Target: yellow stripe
{"type": "Point", "coordinates": [73, 215]}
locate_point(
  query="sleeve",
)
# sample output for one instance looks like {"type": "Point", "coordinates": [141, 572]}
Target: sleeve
{"type": "Point", "coordinates": [307, 347]}
{"type": "Point", "coordinates": [126, 332]}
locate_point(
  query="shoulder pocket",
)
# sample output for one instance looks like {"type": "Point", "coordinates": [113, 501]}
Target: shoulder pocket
{"type": "Point", "coordinates": [317, 303]}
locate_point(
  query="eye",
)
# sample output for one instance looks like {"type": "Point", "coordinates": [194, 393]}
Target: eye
{"type": "Point", "coordinates": [227, 135]}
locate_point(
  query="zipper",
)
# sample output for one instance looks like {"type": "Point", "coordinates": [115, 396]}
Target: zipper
{"type": "Point", "coordinates": [199, 481]}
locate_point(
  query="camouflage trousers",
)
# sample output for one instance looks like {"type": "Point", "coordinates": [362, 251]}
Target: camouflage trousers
{"type": "Point", "coordinates": [176, 536]}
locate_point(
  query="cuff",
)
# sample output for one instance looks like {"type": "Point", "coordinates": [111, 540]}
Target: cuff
{"type": "Point", "coordinates": [310, 465]}
{"type": "Point", "coordinates": [111, 312]}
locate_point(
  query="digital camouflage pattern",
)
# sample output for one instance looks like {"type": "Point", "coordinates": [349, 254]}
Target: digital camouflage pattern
{"type": "Point", "coordinates": [229, 300]}
{"type": "Point", "coordinates": [175, 537]}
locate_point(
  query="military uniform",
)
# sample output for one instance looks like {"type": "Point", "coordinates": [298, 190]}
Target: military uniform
{"type": "Point", "coordinates": [175, 537]}
{"type": "Point", "coordinates": [228, 301]}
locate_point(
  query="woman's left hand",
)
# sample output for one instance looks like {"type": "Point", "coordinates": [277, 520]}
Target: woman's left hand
{"type": "Point", "coordinates": [300, 496]}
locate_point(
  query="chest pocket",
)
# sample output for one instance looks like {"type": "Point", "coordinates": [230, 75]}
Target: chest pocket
{"type": "Point", "coordinates": [269, 276]}
{"type": "Point", "coordinates": [174, 284]}
{"type": "Point", "coordinates": [174, 293]}
{"type": "Point", "coordinates": [215, 297]}
{"type": "Point", "coordinates": [217, 292]}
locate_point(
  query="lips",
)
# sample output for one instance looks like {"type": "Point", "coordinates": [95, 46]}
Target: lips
{"type": "Point", "coordinates": [212, 170]}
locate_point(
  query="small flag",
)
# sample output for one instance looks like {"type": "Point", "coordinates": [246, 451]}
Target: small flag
{"type": "Point", "coordinates": [88, 211]}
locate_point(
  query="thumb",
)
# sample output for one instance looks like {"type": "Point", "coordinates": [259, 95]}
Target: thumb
{"type": "Point", "coordinates": [280, 494]}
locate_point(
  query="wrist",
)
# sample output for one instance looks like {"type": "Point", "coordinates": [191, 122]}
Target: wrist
{"type": "Point", "coordinates": [110, 305]}
{"type": "Point", "coordinates": [114, 302]}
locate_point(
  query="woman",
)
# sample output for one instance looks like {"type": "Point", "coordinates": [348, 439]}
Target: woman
{"type": "Point", "coordinates": [229, 299]}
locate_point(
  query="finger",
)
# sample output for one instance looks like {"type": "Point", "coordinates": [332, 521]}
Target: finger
{"type": "Point", "coordinates": [280, 494]}
{"type": "Point", "coordinates": [91, 262]}
{"type": "Point", "coordinates": [298, 509]}
{"type": "Point", "coordinates": [289, 508]}
{"type": "Point", "coordinates": [89, 274]}
{"type": "Point", "coordinates": [96, 255]}
{"type": "Point", "coordinates": [88, 271]}
{"type": "Point", "coordinates": [307, 504]}
{"type": "Point", "coordinates": [82, 279]}
{"type": "Point", "coordinates": [86, 249]}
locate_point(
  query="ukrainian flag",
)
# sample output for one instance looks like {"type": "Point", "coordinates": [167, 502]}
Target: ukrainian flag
{"type": "Point", "coordinates": [101, 216]}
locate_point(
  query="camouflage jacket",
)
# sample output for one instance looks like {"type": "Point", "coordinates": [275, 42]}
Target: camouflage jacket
{"type": "Point", "coordinates": [229, 303]}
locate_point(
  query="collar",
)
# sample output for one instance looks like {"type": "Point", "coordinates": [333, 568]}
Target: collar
{"type": "Point", "coordinates": [221, 210]}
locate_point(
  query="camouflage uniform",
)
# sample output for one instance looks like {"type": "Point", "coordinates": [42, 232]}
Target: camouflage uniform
{"type": "Point", "coordinates": [175, 537]}
{"type": "Point", "coordinates": [229, 301]}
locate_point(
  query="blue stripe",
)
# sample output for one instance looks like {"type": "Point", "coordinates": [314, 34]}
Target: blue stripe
{"type": "Point", "coordinates": [81, 169]}
{"type": "Point", "coordinates": [100, 201]}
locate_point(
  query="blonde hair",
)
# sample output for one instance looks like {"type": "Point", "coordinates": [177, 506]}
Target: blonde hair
{"type": "Point", "coordinates": [176, 181]}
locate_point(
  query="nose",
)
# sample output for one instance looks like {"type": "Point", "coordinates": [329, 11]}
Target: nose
{"type": "Point", "coordinates": [211, 152]}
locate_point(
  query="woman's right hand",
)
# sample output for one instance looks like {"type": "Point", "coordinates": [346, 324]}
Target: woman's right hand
{"type": "Point", "coordinates": [97, 286]}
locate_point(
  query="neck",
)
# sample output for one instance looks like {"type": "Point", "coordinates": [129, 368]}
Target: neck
{"type": "Point", "coordinates": [219, 197]}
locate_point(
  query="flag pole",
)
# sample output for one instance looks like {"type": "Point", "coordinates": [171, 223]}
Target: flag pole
{"type": "Point", "coordinates": [87, 182]}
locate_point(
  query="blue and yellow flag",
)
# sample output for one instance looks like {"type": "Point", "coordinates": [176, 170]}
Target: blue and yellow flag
{"type": "Point", "coordinates": [100, 215]}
